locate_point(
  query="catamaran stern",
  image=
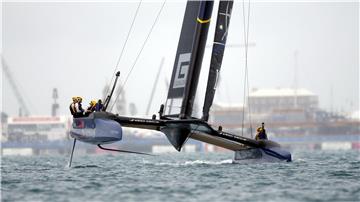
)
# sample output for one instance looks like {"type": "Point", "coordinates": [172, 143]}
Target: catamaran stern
{"type": "Point", "coordinates": [251, 154]}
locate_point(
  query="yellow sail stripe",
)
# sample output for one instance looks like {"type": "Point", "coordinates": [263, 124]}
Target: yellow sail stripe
{"type": "Point", "coordinates": [203, 21]}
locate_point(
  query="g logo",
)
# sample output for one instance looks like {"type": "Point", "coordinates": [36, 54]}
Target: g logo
{"type": "Point", "coordinates": [182, 70]}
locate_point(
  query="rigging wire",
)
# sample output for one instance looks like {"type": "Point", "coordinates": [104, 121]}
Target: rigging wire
{"type": "Point", "coordinates": [246, 76]}
{"type": "Point", "coordinates": [137, 57]}
{"type": "Point", "coordinates": [247, 73]}
{"type": "Point", "coordinates": [123, 48]}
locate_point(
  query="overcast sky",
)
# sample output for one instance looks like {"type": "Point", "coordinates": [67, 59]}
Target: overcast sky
{"type": "Point", "coordinates": [75, 46]}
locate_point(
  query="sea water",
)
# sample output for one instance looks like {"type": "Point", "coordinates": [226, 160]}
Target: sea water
{"type": "Point", "coordinates": [312, 176]}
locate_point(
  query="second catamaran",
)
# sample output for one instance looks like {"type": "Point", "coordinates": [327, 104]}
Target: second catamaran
{"type": "Point", "coordinates": [175, 118]}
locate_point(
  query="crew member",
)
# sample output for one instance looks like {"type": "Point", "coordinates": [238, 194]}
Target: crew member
{"type": "Point", "coordinates": [261, 133]}
{"type": "Point", "coordinates": [78, 106]}
{"type": "Point", "coordinates": [73, 106]}
{"type": "Point", "coordinates": [99, 106]}
{"type": "Point", "coordinates": [91, 107]}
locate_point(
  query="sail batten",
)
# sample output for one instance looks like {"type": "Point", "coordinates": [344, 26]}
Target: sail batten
{"type": "Point", "coordinates": [222, 25]}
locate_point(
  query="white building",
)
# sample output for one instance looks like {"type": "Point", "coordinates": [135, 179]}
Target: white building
{"type": "Point", "coordinates": [278, 99]}
{"type": "Point", "coordinates": [38, 128]}
{"type": "Point", "coordinates": [283, 104]}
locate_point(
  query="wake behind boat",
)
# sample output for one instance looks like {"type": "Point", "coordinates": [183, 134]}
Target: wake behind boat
{"type": "Point", "coordinates": [175, 117]}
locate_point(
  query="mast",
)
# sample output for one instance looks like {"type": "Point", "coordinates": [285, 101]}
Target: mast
{"type": "Point", "coordinates": [188, 59]}
{"type": "Point", "coordinates": [222, 25]}
{"type": "Point", "coordinates": [203, 22]}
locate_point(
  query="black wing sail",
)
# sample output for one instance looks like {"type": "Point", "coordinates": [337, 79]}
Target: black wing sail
{"type": "Point", "coordinates": [222, 25]}
{"type": "Point", "coordinates": [188, 59]}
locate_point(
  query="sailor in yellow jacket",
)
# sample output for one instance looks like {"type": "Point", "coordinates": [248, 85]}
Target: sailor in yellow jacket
{"type": "Point", "coordinates": [91, 108]}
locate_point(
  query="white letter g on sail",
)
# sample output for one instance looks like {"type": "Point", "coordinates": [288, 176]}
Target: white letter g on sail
{"type": "Point", "coordinates": [182, 70]}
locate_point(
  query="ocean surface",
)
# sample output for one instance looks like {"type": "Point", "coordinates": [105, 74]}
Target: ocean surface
{"type": "Point", "coordinates": [312, 176]}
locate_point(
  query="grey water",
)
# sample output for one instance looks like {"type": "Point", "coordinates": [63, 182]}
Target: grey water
{"type": "Point", "coordinates": [312, 176]}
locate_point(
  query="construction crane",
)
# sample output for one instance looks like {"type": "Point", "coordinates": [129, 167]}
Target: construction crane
{"type": "Point", "coordinates": [23, 110]}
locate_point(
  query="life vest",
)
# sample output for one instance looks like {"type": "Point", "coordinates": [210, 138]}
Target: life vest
{"type": "Point", "coordinates": [79, 108]}
{"type": "Point", "coordinates": [79, 112]}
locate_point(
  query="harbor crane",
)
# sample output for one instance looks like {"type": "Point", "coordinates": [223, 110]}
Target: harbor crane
{"type": "Point", "coordinates": [23, 110]}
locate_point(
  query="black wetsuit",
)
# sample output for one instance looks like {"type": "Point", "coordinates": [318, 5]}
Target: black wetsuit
{"type": "Point", "coordinates": [72, 109]}
{"type": "Point", "coordinates": [80, 113]}
{"type": "Point", "coordinates": [99, 107]}
{"type": "Point", "coordinates": [89, 110]}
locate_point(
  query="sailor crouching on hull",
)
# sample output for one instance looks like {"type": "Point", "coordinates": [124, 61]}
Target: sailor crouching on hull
{"type": "Point", "coordinates": [79, 110]}
{"type": "Point", "coordinates": [72, 106]}
{"type": "Point", "coordinates": [261, 133]}
{"type": "Point", "coordinates": [91, 108]}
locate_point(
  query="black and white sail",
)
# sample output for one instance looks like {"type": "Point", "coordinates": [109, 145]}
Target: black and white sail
{"type": "Point", "coordinates": [188, 59]}
{"type": "Point", "coordinates": [222, 25]}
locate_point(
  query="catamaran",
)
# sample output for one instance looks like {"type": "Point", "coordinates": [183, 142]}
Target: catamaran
{"type": "Point", "coordinates": [175, 118]}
